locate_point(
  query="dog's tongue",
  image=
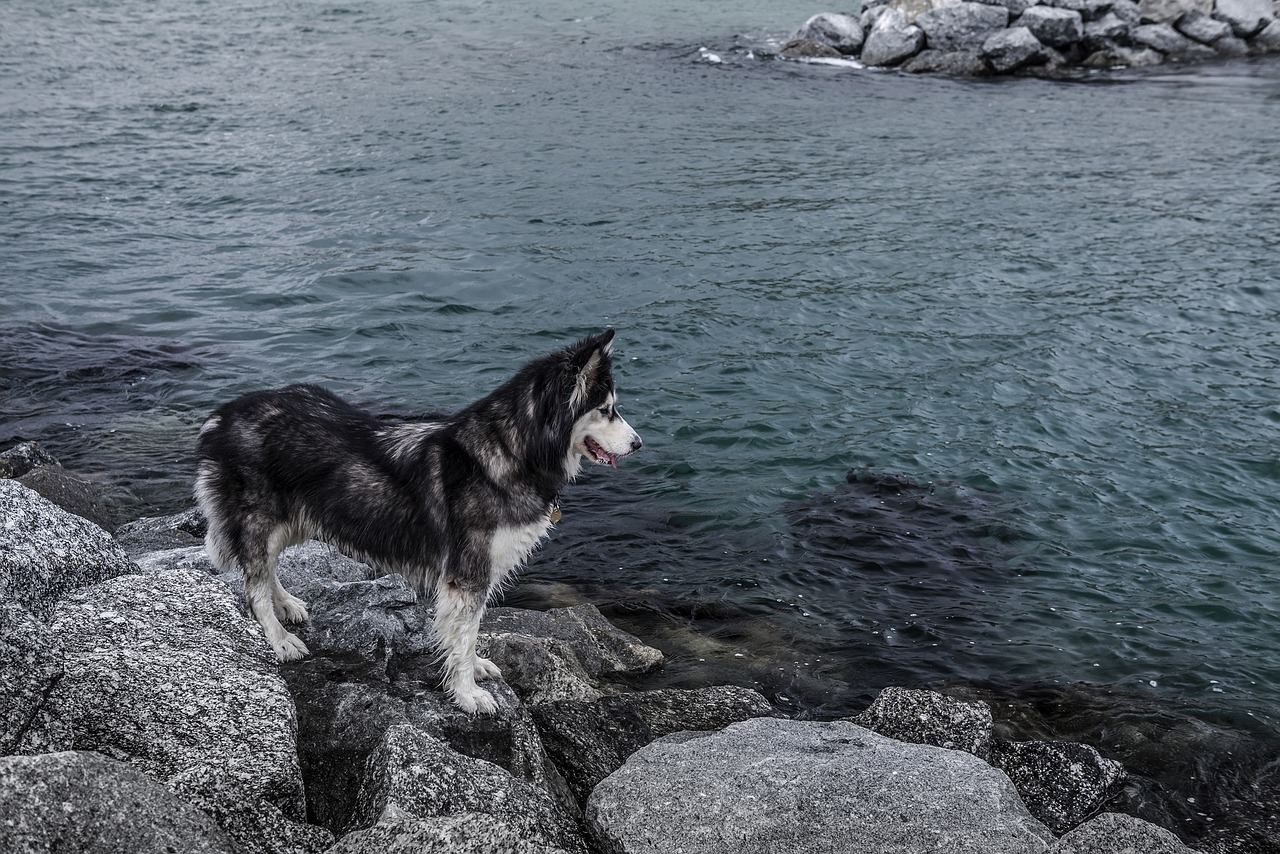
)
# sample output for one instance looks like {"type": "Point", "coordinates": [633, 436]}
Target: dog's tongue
{"type": "Point", "coordinates": [601, 455]}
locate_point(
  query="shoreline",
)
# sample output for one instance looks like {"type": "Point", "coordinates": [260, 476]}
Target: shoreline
{"type": "Point", "coordinates": [160, 547]}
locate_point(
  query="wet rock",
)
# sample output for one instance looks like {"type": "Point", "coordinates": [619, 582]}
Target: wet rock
{"type": "Point", "coordinates": [962, 26]}
{"type": "Point", "coordinates": [588, 741]}
{"type": "Point", "coordinates": [162, 533]}
{"type": "Point", "coordinates": [892, 40]}
{"type": "Point", "coordinates": [1123, 57]}
{"type": "Point", "coordinates": [808, 49]}
{"type": "Point", "coordinates": [840, 32]}
{"type": "Point", "coordinates": [1011, 49]}
{"type": "Point", "coordinates": [1168, 11]}
{"type": "Point", "coordinates": [20, 459]}
{"type": "Point", "coordinates": [1245, 17]}
{"type": "Point", "coordinates": [961, 63]}
{"type": "Point", "coordinates": [1167, 40]}
{"type": "Point", "coordinates": [1061, 783]}
{"type": "Point", "coordinates": [767, 785]}
{"type": "Point", "coordinates": [1054, 27]}
{"type": "Point", "coordinates": [927, 717]}
{"type": "Point", "coordinates": [466, 833]}
{"type": "Point", "coordinates": [88, 804]}
{"type": "Point", "coordinates": [414, 774]}
{"type": "Point", "coordinates": [159, 673]}
{"type": "Point", "coordinates": [1114, 833]}
{"type": "Point", "coordinates": [1201, 27]}
{"type": "Point", "coordinates": [46, 552]}
{"type": "Point", "coordinates": [30, 666]}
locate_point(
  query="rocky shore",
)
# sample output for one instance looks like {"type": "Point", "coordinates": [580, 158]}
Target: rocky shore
{"type": "Point", "coordinates": [142, 711]}
{"type": "Point", "coordinates": [1047, 37]}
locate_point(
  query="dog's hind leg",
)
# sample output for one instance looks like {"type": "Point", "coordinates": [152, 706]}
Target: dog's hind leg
{"type": "Point", "coordinates": [262, 545]}
{"type": "Point", "coordinates": [458, 611]}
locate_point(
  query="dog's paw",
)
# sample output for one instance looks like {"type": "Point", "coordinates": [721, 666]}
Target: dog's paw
{"type": "Point", "coordinates": [475, 701]}
{"type": "Point", "coordinates": [290, 648]}
{"type": "Point", "coordinates": [290, 609]}
{"type": "Point", "coordinates": [486, 669]}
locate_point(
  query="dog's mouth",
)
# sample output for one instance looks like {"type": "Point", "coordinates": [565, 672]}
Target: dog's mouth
{"type": "Point", "coordinates": [599, 454]}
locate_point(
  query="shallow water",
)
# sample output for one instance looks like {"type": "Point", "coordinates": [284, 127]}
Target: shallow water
{"type": "Point", "coordinates": [1039, 320]}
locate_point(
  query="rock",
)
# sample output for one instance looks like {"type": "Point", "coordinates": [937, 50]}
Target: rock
{"type": "Point", "coordinates": [72, 493]}
{"type": "Point", "coordinates": [1123, 57]}
{"type": "Point", "coordinates": [807, 48]}
{"type": "Point", "coordinates": [892, 40]}
{"type": "Point", "coordinates": [1231, 46]}
{"type": "Point", "coordinates": [588, 741]}
{"type": "Point", "coordinates": [30, 665]}
{"type": "Point", "coordinates": [1127, 11]}
{"type": "Point", "coordinates": [1015, 7]}
{"type": "Point", "coordinates": [1267, 41]}
{"type": "Point", "coordinates": [22, 458]}
{"type": "Point", "coordinates": [1105, 31]}
{"type": "Point", "coordinates": [255, 826]}
{"type": "Point", "coordinates": [163, 672]}
{"type": "Point", "coordinates": [1170, 42]}
{"type": "Point", "coordinates": [1199, 26]}
{"type": "Point", "coordinates": [913, 9]}
{"type": "Point", "coordinates": [1168, 11]}
{"type": "Point", "coordinates": [466, 833]}
{"type": "Point", "coordinates": [413, 774]}
{"type": "Point", "coordinates": [768, 785]}
{"type": "Point", "coordinates": [1113, 833]}
{"type": "Point", "coordinates": [1062, 784]}
{"type": "Point", "coordinates": [837, 31]}
{"type": "Point", "coordinates": [963, 26]}
{"type": "Point", "coordinates": [927, 717]}
{"type": "Point", "coordinates": [46, 552]}
{"type": "Point", "coordinates": [88, 804]}
{"type": "Point", "coordinates": [1055, 27]}
{"type": "Point", "coordinates": [961, 63]}
{"type": "Point", "coordinates": [1246, 17]}
{"type": "Point", "coordinates": [1089, 10]}
{"type": "Point", "coordinates": [162, 533]}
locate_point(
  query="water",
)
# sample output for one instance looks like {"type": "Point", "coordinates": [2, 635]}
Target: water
{"type": "Point", "coordinates": [1038, 320]}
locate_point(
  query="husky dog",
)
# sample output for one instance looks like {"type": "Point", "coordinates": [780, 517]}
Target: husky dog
{"type": "Point", "coordinates": [455, 504]}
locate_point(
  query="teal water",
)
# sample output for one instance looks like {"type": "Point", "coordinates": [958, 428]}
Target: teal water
{"type": "Point", "coordinates": [1041, 318]}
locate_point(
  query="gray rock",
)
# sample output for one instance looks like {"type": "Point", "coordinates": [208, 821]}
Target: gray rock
{"type": "Point", "coordinates": [1170, 42]}
{"type": "Point", "coordinates": [1105, 31]}
{"type": "Point", "coordinates": [1246, 17]}
{"type": "Point", "coordinates": [1231, 46]}
{"type": "Point", "coordinates": [807, 49]}
{"type": "Point", "coordinates": [255, 826]}
{"type": "Point", "coordinates": [413, 774]}
{"type": "Point", "coordinates": [1055, 27]}
{"type": "Point", "coordinates": [927, 717]}
{"type": "Point", "coordinates": [1061, 783]}
{"type": "Point", "coordinates": [1199, 26]}
{"type": "Point", "coordinates": [161, 533]}
{"type": "Point", "coordinates": [1015, 7]}
{"type": "Point", "coordinates": [1089, 10]}
{"type": "Point", "coordinates": [466, 833]}
{"type": "Point", "coordinates": [838, 31]}
{"type": "Point", "coordinates": [963, 26]}
{"type": "Point", "coordinates": [961, 63]}
{"type": "Point", "coordinates": [30, 665]}
{"type": "Point", "coordinates": [892, 40]}
{"type": "Point", "coordinates": [1114, 833]}
{"type": "Point", "coordinates": [46, 552]}
{"type": "Point", "coordinates": [1267, 41]}
{"type": "Point", "coordinates": [590, 740]}
{"type": "Point", "coordinates": [768, 785]}
{"type": "Point", "coordinates": [159, 672]}
{"type": "Point", "coordinates": [1123, 57]}
{"type": "Point", "coordinates": [913, 9]}
{"type": "Point", "coordinates": [1127, 11]}
{"type": "Point", "coordinates": [1168, 11]}
{"type": "Point", "coordinates": [22, 458]}
{"type": "Point", "coordinates": [72, 492]}
{"type": "Point", "coordinates": [88, 804]}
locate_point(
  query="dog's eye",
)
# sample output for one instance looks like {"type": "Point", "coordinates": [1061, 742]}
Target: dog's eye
{"type": "Point", "coordinates": [608, 412]}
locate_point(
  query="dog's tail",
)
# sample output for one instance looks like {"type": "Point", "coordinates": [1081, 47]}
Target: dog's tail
{"type": "Point", "coordinates": [216, 542]}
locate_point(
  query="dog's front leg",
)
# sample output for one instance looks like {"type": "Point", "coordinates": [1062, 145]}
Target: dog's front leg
{"type": "Point", "coordinates": [459, 606]}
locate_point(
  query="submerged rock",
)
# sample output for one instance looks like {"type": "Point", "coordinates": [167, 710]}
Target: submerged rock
{"type": "Point", "coordinates": [767, 785]}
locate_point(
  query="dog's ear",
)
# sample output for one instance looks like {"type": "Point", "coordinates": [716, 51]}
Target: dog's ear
{"type": "Point", "coordinates": [591, 365]}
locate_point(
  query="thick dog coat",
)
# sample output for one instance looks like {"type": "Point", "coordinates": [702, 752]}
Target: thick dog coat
{"type": "Point", "coordinates": [454, 504]}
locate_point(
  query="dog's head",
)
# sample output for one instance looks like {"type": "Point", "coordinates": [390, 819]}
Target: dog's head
{"type": "Point", "coordinates": [599, 433]}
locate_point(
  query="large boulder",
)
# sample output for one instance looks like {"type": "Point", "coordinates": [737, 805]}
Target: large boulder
{"type": "Point", "coordinates": [72, 492]}
{"type": "Point", "coordinates": [1168, 11]}
{"type": "Point", "coordinates": [30, 666]}
{"type": "Point", "coordinates": [465, 833]}
{"type": "Point", "coordinates": [1170, 42]}
{"type": "Point", "coordinates": [927, 717]}
{"type": "Point", "coordinates": [1201, 27]}
{"type": "Point", "coordinates": [590, 740]}
{"type": "Point", "coordinates": [840, 32]}
{"type": "Point", "coordinates": [1267, 41]}
{"type": "Point", "coordinates": [767, 785]}
{"type": "Point", "coordinates": [1052, 26]}
{"type": "Point", "coordinates": [1114, 833]}
{"type": "Point", "coordinates": [1061, 783]}
{"type": "Point", "coordinates": [46, 552]}
{"type": "Point", "coordinates": [1245, 17]}
{"type": "Point", "coordinates": [85, 803]}
{"type": "Point", "coordinates": [1007, 51]}
{"type": "Point", "coordinates": [892, 40]}
{"type": "Point", "coordinates": [963, 26]}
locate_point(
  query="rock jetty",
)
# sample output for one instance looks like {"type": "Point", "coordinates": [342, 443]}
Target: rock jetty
{"type": "Point", "coordinates": [1044, 38]}
{"type": "Point", "coordinates": [141, 711]}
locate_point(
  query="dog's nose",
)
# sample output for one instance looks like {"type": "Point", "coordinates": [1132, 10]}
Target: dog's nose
{"type": "Point", "coordinates": [636, 444]}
